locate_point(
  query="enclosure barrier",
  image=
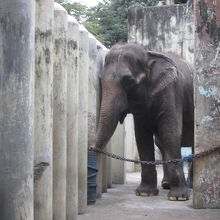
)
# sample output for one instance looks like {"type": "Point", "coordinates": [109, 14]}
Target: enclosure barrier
{"type": "Point", "coordinates": [46, 124]}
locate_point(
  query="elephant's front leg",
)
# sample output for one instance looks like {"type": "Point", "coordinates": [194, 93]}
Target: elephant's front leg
{"type": "Point", "coordinates": [165, 181]}
{"type": "Point", "coordinates": [171, 139]}
{"type": "Point", "coordinates": [178, 187]}
{"type": "Point", "coordinates": [145, 144]}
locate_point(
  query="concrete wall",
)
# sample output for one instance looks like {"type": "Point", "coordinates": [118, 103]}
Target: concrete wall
{"type": "Point", "coordinates": [163, 28]}
{"type": "Point", "coordinates": [207, 102]}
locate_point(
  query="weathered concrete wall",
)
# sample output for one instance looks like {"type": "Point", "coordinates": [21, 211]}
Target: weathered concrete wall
{"type": "Point", "coordinates": [72, 119]}
{"type": "Point", "coordinates": [59, 112]}
{"type": "Point", "coordinates": [16, 109]}
{"type": "Point", "coordinates": [207, 101]}
{"type": "Point", "coordinates": [43, 135]}
{"type": "Point", "coordinates": [163, 28]}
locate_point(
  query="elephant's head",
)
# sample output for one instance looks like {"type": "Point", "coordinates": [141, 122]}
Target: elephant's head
{"type": "Point", "coordinates": [126, 72]}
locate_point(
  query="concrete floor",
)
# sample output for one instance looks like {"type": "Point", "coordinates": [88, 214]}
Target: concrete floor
{"type": "Point", "coordinates": [121, 203]}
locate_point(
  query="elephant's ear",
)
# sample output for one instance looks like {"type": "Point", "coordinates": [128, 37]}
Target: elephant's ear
{"type": "Point", "coordinates": [168, 76]}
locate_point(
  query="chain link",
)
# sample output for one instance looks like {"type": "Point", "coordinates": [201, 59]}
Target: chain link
{"type": "Point", "coordinates": [175, 161]}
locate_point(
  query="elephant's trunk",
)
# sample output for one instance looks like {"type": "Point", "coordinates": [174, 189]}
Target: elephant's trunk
{"type": "Point", "coordinates": [114, 102]}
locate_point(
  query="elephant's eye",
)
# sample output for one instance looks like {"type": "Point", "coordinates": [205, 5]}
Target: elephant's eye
{"type": "Point", "coordinates": [128, 82]}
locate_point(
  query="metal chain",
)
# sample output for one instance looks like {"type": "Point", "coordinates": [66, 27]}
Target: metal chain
{"type": "Point", "coordinates": [175, 161]}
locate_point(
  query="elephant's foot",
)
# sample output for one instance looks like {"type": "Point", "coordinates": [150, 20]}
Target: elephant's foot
{"type": "Point", "coordinates": [178, 194]}
{"type": "Point", "coordinates": [165, 184]}
{"type": "Point", "coordinates": [146, 190]}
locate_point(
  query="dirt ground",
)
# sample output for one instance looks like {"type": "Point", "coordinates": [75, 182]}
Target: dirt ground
{"type": "Point", "coordinates": [121, 203]}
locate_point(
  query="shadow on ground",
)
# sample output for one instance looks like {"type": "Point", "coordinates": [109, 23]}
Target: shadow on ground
{"type": "Point", "coordinates": [121, 203]}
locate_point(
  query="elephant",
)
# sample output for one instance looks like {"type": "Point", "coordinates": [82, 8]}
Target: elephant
{"type": "Point", "coordinates": [157, 88]}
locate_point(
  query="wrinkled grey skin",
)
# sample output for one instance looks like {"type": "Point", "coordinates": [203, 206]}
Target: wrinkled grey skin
{"type": "Point", "coordinates": [158, 90]}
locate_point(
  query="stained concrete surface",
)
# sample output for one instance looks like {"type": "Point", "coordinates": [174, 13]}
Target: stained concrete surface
{"type": "Point", "coordinates": [121, 203]}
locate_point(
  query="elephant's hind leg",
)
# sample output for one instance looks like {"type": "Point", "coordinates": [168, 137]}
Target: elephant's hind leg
{"type": "Point", "coordinates": [145, 144]}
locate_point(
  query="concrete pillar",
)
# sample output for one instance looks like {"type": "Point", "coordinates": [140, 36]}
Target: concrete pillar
{"type": "Point", "coordinates": [104, 172]}
{"type": "Point", "coordinates": [43, 125]}
{"type": "Point", "coordinates": [99, 175]}
{"type": "Point", "coordinates": [118, 167]}
{"type": "Point", "coordinates": [130, 143]}
{"type": "Point", "coordinates": [206, 181]}
{"type": "Point", "coordinates": [59, 112]}
{"type": "Point", "coordinates": [109, 166]}
{"type": "Point", "coordinates": [100, 59]}
{"type": "Point", "coordinates": [106, 163]}
{"type": "Point", "coordinates": [72, 119]}
{"type": "Point", "coordinates": [92, 90]}
{"type": "Point", "coordinates": [92, 100]}
{"type": "Point", "coordinates": [83, 117]}
{"type": "Point", "coordinates": [103, 163]}
{"type": "Point", "coordinates": [16, 109]}
{"type": "Point", "coordinates": [107, 170]}
{"type": "Point", "coordinates": [99, 66]}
